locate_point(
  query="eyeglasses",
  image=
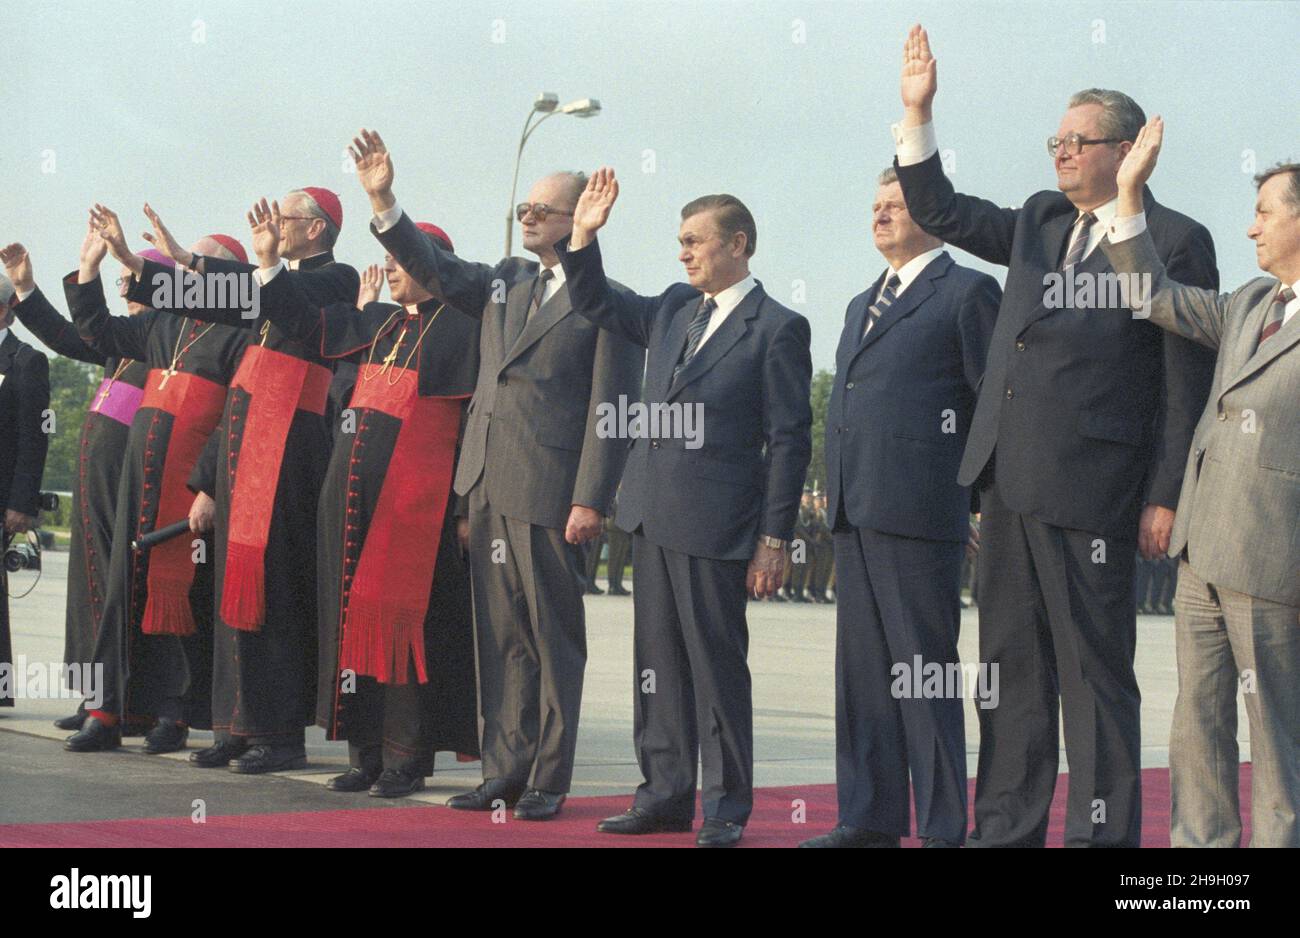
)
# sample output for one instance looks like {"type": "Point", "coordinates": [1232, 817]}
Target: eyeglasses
{"type": "Point", "coordinates": [540, 209]}
{"type": "Point", "coordinates": [1074, 144]}
{"type": "Point", "coordinates": [285, 218]}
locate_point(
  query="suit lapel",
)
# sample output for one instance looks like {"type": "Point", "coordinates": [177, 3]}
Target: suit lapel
{"type": "Point", "coordinates": [856, 321]}
{"type": "Point", "coordinates": [1261, 355]}
{"type": "Point", "coordinates": [550, 312]}
{"type": "Point", "coordinates": [675, 343]}
{"type": "Point", "coordinates": [729, 333]}
{"type": "Point", "coordinates": [917, 292]}
{"type": "Point", "coordinates": [8, 349]}
{"type": "Point", "coordinates": [516, 311]}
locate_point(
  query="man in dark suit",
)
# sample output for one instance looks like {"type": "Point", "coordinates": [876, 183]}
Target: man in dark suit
{"type": "Point", "coordinates": [538, 474]}
{"type": "Point", "coordinates": [1082, 422]}
{"type": "Point", "coordinates": [24, 399]}
{"type": "Point", "coordinates": [710, 512]}
{"type": "Point", "coordinates": [908, 363]}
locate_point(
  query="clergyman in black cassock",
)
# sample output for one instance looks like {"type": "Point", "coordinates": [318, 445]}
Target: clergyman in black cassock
{"type": "Point", "coordinates": [396, 673]}
{"type": "Point", "coordinates": [101, 450]}
{"type": "Point", "coordinates": [266, 468]}
{"type": "Point", "coordinates": [155, 636]}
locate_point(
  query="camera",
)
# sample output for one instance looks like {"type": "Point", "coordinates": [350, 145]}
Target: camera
{"type": "Point", "coordinates": [25, 554]}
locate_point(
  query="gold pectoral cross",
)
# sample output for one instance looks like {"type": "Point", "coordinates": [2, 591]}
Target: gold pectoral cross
{"type": "Point", "coordinates": [103, 396]}
{"type": "Point", "coordinates": [167, 373]}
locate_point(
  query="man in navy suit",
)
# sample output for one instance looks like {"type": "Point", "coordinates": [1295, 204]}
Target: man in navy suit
{"type": "Point", "coordinates": [710, 511]}
{"type": "Point", "coordinates": [906, 370]}
{"type": "Point", "coordinates": [1076, 448]}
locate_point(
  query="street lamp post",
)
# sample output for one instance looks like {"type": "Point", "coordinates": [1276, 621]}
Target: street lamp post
{"type": "Point", "coordinates": [548, 105]}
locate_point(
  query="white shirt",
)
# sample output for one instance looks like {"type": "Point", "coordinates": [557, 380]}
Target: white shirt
{"type": "Point", "coordinates": [727, 301]}
{"type": "Point", "coordinates": [263, 275]}
{"type": "Point", "coordinates": [1130, 226]}
{"type": "Point", "coordinates": [4, 334]}
{"type": "Point", "coordinates": [917, 144]}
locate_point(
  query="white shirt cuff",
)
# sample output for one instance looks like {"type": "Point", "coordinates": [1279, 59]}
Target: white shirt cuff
{"type": "Point", "coordinates": [914, 144]}
{"type": "Point", "coordinates": [1123, 229]}
{"type": "Point", "coordinates": [388, 218]}
{"type": "Point", "coordinates": [24, 294]}
{"type": "Point", "coordinates": [265, 275]}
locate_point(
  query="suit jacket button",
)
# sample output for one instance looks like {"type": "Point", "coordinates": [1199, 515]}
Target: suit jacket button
{"type": "Point", "coordinates": [1010, 394]}
{"type": "Point", "coordinates": [501, 382]}
{"type": "Point", "coordinates": [849, 386]}
{"type": "Point", "coordinates": [654, 444]}
{"type": "Point", "coordinates": [1222, 415]}
{"type": "Point", "coordinates": [1020, 345]}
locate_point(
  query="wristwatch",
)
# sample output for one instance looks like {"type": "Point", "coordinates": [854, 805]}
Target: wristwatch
{"type": "Point", "coordinates": [773, 542]}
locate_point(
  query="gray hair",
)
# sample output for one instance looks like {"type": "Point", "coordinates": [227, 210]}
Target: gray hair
{"type": "Point", "coordinates": [888, 177]}
{"type": "Point", "coordinates": [6, 294]}
{"type": "Point", "coordinates": [1291, 194]}
{"type": "Point", "coordinates": [315, 211]}
{"type": "Point", "coordinates": [1120, 115]}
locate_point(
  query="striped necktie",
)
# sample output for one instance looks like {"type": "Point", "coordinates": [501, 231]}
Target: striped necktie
{"type": "Point", "coordinates": [695, 333]}
{"type": "Point", "coordinates": [877, 309]}
{"type": "Point", "coordinates": [1080, 243]}
{"type": "Point", "coordinates": [1276, 313]}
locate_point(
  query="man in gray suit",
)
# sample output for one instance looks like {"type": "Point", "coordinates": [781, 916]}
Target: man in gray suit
{"type": "Point", "coordinates": [1238, 601]}
{"type": "Point", "coordinates": [537, 474]}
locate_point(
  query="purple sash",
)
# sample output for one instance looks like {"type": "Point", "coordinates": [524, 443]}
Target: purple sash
{"type": "Point", "coordinates": [122, 402]}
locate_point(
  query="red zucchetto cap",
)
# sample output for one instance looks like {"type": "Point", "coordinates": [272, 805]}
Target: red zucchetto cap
{"type": "Point", "coordinates": [230, 244]}
{"type": "Point", "coordinates": [329, 203]}
{"type": "Point", "coordinates": [433, 231]}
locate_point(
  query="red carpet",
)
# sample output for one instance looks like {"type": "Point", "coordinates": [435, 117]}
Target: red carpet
{"type": "Point", "coordinates": [771, 825]}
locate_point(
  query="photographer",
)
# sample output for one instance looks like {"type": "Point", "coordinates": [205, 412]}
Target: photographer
{"type": "Point", "coordinates": [24, 398]}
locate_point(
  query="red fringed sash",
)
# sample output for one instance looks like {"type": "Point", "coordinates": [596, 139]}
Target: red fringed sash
{"type": "Point", "coordinates": [383, 621]}
{"type": "Point", "coordinates": [195, 405]}
{"type": "Point", "coordinates": [278, 385]}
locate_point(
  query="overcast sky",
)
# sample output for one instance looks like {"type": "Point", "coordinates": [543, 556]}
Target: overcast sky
{"type": "Point", "coordinates": [201, 107]}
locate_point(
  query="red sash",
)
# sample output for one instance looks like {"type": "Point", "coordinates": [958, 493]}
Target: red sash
{"type": "Point", "coordinates": [383, 621]}
{"type": "Point", "coordinates": [195, 405]}
{"type": "Point", "coordinates": [279, 385]}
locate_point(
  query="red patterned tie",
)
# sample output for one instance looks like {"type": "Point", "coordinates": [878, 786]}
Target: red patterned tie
{"type": "Point", "coordinates": [1276, 313]}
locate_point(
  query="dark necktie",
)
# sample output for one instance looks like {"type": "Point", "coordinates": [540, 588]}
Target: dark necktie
{"type": "Point", "coordinates": [877, 309]}
{"type": "Point", "coordinates": [1276, 313]}
{"type": "Point", "coordinates": [539, 290]}
{"type": "Point", "coordinates": [695, 333]}
{"type": "Point", "coordinates": [1080, 243]}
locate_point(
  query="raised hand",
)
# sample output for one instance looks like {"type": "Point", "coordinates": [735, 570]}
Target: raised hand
{"type": "Point", "coordinates": [372, 278]}
{"type": "Point", "coordinates": [109, 228]}
{"type": "Point", "coordinates": [1138, 165]}
{"type": "Point", "coordinates": [264, 220]}
{"type": "Point", "coordinates": [374, 168]}
{"type": "Point", "coordinates": [593, 207]}
{"type": "Point", "coordinates": [162, 239]}
{"type": "Point", "coordinates": [920, 79]}
{"type": "Point", "coordinates": [18, 267]}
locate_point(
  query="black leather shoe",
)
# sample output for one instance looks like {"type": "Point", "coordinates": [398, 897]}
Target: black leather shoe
{"type": "Point", "coordinates": [619, 591]}
{"type": "Point", "coordinates": [938, 842]}
{"type": "Point", "coordinates": [264, 758]}
{"type": "Point", "coordinates": [594, 590]}
{"type": "Point", "coordinates": [166, 736]}
{"type": "Point", "coordinates": [482, 798]}
{"type": "Point", "coordinates": [73, 722]}
{"type": "Point", "coordinates": [716, 832]}
{"type": "Point", "coordinates": [217, 755]}
{"type": "Point", "coordinates": [636, 821]}
{"type": "Point", "coordinates": [538, 805]}
{"type": "Point", "coordinates": [354, 779]}
{"type": "Point", "coordinates": [852, 837]}
{"type": "Point", "coordinates": [94, 737]}
{"type": "Point", "coordinates": [397, 783]}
